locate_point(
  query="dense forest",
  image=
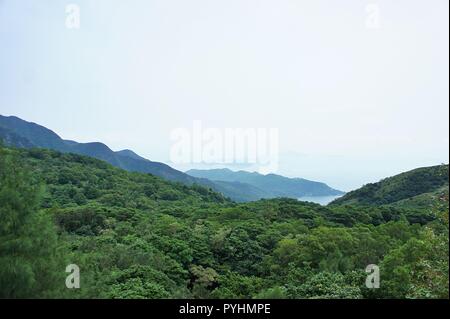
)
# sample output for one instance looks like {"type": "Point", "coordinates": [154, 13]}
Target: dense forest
{"type": "Point", "coordinates": [135, 235]}
{"type": "Point", "coordinates": [414, 188]}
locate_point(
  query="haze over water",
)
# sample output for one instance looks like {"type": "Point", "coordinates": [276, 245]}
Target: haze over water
{"type": "Point", "coordinates": [322, 200]}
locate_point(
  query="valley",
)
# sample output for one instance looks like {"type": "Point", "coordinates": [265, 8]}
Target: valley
{"type": "Point", "coordinates": [136, 235]}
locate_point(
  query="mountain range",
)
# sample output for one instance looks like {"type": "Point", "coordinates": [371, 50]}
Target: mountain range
{"type": "Point", "coordinates": [270, 185]}
{"type": "Point", "coordinates": [240, 187]}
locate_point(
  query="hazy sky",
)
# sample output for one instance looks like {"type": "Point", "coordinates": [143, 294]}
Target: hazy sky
{"type": "Point", "coordinates": [358, 89]}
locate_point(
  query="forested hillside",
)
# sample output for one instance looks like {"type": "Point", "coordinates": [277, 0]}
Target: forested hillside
{"type": "Point", "coordinates": [426, 184]}
{"type": "Point", "coordinates": [135, 235]}
{"type": "Point", "coordinates": [16, 132]}
{"type": "Point", "coordinates": [19, 133]}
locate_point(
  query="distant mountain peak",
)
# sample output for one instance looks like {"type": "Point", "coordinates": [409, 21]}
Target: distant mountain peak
{"type": "Point", "coordinates": [130, 153]}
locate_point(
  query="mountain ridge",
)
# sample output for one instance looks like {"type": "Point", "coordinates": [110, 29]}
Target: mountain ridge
{"type": "Point", "coordinates": [272, 184]}
{"type": "Point", "coordinates": [419, 183]}
{"type": "Point", "coordinates": [23, 134]}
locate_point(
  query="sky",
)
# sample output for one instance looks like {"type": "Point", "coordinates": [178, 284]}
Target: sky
{"type": "Point", "coordinates": [358, 90]}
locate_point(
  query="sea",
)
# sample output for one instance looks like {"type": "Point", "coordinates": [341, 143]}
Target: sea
{"type": "Point", "coordinates": [322, 200]}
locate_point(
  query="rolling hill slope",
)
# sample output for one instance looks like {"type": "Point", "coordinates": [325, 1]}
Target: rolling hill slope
{"type": "Point", "coordinates": [418, 186]}
{"type": "Point", "coordinates": [34, 135]}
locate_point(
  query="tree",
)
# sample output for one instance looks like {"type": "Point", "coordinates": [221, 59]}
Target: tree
{"type": "Point", "coordinates": [203, 280]}
{"type": "Point", "coordinates": [28, 241]}
{"type": "Point", "coordinates": [327, 285]}
{"type": "Point", "coordinates": [419, 268]}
